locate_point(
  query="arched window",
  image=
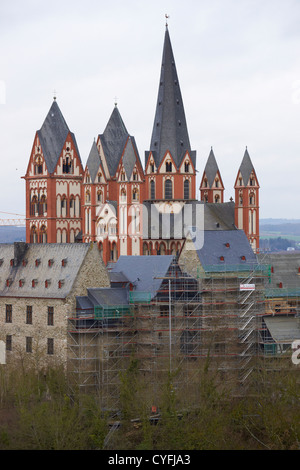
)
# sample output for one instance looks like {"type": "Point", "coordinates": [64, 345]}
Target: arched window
{"type": "Point", "coordinates": [43, 204]}
{"type": "Point", "coordinates": [186, 189]}
{"type": "Point", "coordinates": [168, 189]}
{"type": "Point", "coordinates": [67, 164]}
{"type": "Point", "coordinates": [186, 167]}
{"type": "Point", "coordinates": [251, 199]}
{"type": "Point", "coordinates": [87, 196]}
{"type": "Point", "coordinates": [123, 195]}
{"type": "Point", "coordinates": [34, 205]}
{"type": "Point", "coordinates": [99, 196]}
{"type": "Point", "coordinates": [217, 198]}
{"type": "Point", "coordinates": [33, 235]}
{"type": "Point", "coordinates": [43, 234]}
{"type": "Point", "coordinates": [135, 194]}
{"type": "Point", "coordinates": [38, 165]}
{"type": "Point", "coordinates": [168, 167]}
{"type": "Point", "coordinates": [72, 206]}
{"type": "Point", "coordinates": [152, 189]}
{"type": "Point", "coordinates": [64, 206]}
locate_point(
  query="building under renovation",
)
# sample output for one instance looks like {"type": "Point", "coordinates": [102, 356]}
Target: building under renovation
{"type": "Point", "coordinates": [178, 315]}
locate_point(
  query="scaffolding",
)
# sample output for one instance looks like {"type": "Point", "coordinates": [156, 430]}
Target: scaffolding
{"type": "Point", "coordinates": [209, 320]}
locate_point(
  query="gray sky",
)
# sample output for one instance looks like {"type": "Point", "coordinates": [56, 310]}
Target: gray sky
{"type": "Point", "coordinates": [238, 63]}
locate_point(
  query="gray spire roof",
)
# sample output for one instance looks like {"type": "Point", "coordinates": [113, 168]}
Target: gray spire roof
{"type": "Point", "coordinates": [113, 140]}
{"type": "Point", "coordinates": [94, 162]}
{"type": "Point", "coordinates": [211, 168]}
{"type": "Point", "coordinates": [246, 167]}
{"type": "Point", "coordinates": [52, 135]}
{"type": "Point", "coordinates": [170, 127]}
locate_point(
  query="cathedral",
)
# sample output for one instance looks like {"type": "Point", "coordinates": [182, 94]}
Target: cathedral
{"type": "Point", "coordinates": [125, 206]}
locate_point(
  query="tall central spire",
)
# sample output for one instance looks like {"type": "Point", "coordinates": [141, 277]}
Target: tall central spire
{"type": "Point", "coordinates": [170, 129]}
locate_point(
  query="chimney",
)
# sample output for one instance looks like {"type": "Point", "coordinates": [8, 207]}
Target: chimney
{"type": "Point", "coordinates": [20, 249]}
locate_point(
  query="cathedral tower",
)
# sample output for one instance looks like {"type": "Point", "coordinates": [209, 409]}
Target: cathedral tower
{"type": "Point", "coordinates": [170, 164]}
{"type": "Point", "coordinates": [211, 187]}
{"type": "Point", "coordinates": [247, 201]}
{"type": "Point", "coordinates": [53, 183]}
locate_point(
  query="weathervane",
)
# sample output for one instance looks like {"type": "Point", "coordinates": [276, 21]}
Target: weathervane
{"type": "Point", "coordinates": [167, 16]}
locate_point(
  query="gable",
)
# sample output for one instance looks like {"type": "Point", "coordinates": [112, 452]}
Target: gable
{"type": "Point", "coordinates": [69, 162]}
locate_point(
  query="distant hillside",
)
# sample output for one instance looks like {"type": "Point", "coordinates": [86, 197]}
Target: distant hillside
{"type": "Point", "coordinates": [281, 228]}
{"type": "Point", "coordinates": [279, 221]}
{"type": "Point", "coordinates": [12, 234]}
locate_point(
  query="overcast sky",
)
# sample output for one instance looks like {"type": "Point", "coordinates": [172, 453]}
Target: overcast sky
{"type": "Point", "coordinates": [238, 63]}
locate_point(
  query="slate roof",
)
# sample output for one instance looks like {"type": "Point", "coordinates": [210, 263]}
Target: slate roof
{"type": "Point", "coordinates": [283, 329]}
{"type": "Point", "coordinates": [194, 213]}
{"type": "Point", "coordinates": [211, 168]}
{"type": "Point", "coordinates": [246, 167]}
{"type": "Point", "coordinates": [231, 245]}
{"type": "Point", "coordinates": [284, 268]}
{"type": "Point", "coordinates": [170, 128]}
{"type": "Point", "coordinates": [36, 267]}
{"type": "Point", "coordinates": [53, 135]}
{"type": "Point", "coordinates": [144, 272]}
{"type": "Point", "coordinates": [129, 157]}
{"type": "Point", "coordinates": [113, 140]}
{"type": "Point", "coordinates": [94, 162]}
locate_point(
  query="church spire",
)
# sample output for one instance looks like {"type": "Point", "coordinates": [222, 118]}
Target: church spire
{"type": "Point", "coordinates": [211, 187]}
{"type": "Point", "coordinates": [170, 131]}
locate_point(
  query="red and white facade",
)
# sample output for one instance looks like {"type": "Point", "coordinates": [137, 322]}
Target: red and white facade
{"type": "Point", "coordinates": [104, 202]}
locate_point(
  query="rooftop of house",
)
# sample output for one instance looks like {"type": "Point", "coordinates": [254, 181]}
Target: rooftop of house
{"type": "Point", "coordinates": [40, 270]}
{"type": "Point", "coordinates": [284, 272]}
{"type": "Point", "coordinates": [223, 250]}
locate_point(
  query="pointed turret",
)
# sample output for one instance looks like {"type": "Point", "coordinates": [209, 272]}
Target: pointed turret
{"type": "Point", "coordinates": [93, 163]}
{"type": "Point", "coordinates": [246, 168]}
{"type": "Point", "coordinates": [170, 131]}
{"type": "Point", "coordinates": [247, 201]}
{"type": "Point", "coordinates": [211, 187]}
{"type": "Point", "coordinates": [113, 141]}
{"type": "Point", "coordinates": [53, 135]}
